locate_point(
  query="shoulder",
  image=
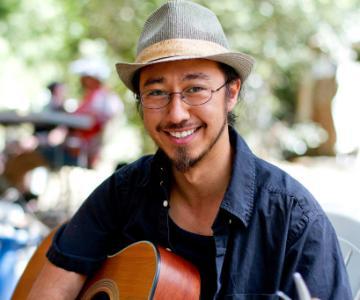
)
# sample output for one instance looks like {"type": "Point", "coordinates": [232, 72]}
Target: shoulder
{"type": "Point", "coordinates": [275, 180]}
{"type": "Point", "coordinates": [286, 199]}
{"type": "Point", "coordinates": [119, 193]}
{"type": "Point", "coordinates": [269, 192]}
{"type": "Point", "coordinates": [124, 180]}
{"type": "Point", "coordinates": [137, 172]}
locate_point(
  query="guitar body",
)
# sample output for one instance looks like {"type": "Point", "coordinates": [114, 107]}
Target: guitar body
{"type": "Point", "coordinates": [139, 271]}
{"type": "Point", "coordinates": [142, 271]}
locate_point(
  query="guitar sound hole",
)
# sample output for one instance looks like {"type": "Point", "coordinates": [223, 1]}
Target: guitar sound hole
{"type": "Point", "coordinates": [100, 296]}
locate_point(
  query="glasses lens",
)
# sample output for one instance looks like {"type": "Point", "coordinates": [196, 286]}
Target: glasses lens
{"type": "Point", "coordinates": [192, 96]}
{"type": "Point", "coordinates": [196, 95]}
{"type": "Point", "coordinates": [154, 99]}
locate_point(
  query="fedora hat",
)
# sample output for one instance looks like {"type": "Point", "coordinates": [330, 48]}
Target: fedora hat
{"type": "Point", "coordinates": [181, 30]}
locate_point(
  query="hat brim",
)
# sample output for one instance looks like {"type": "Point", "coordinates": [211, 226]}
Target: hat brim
{"type": "Point", "coordinates": [242, 64]}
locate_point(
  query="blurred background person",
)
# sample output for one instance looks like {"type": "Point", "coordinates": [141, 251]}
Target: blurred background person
{"type": "Point", "coordinates": [57, 96]}
{"type": "Point", "coordinates": [66, 146]}
{"type": "Point", "coordinates": [99, 102]}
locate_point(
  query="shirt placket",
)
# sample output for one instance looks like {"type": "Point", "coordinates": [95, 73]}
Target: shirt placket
{"type": "Point", "coordinates": [221, 237]}
{"type": "Point", "coordinates": [220, 228]}
{"type": "Point", "coordinates": [164, 208]}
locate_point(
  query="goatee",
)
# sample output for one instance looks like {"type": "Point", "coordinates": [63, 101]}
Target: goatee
{"type": "Point", "coordinates": [184, 162]}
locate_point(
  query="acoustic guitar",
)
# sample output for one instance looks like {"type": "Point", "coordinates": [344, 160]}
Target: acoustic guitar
{"type": "Point", "coordinates": [139, 271]}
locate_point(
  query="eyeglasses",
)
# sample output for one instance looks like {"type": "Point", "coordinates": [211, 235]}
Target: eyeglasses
{"type": "Point", "coordinates": [193, 96]}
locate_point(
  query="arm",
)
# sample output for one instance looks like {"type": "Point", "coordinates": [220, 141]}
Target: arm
{"type": "Point", "coordinates": [56, 283]}
{"type": "Point", "coordinates": [316, 255]}
{"type": "Point", "coordinates": [80, 246]}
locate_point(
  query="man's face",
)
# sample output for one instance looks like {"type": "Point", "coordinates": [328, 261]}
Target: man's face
{"type": "Point", "coordinates": [188, 134]}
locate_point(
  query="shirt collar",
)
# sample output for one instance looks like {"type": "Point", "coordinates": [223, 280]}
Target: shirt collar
{"type": "Point", "coordinates": [239, 197]}
{"type": "Point", "coordinates": [160, 167]}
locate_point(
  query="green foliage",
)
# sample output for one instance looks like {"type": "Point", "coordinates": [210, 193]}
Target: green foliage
{"type": "Point", "coordinates": [46, 35]}
{"type": "Point", "coordinates": [7, 7]}
{"type": "Point", "coordinates": [285, 90]}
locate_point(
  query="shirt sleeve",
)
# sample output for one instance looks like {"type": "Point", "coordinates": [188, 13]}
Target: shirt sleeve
{"type": "Point", "coordinates": [314, 252]}
{"type": "Point", "coordinates": [71, 262]}
{"type": "Point", "coordinates": [83, 243]}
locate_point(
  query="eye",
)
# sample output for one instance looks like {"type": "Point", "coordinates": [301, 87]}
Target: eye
{"type": "Point", "coordinates": [155, 93]}
{"type": "Point", "coordinates": [194, 90]}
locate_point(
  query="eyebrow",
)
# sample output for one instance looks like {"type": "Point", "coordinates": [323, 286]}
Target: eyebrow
{"type": "Point", "coordinates": [155, 80]}
{"type": "Point", "coordinates": [187, 77]}
{"type": "Point", "coordinates": [192, 76]}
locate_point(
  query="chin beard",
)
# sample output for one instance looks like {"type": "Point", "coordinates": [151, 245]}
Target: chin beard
{"type": "Point", "coordinates": [184, 162]}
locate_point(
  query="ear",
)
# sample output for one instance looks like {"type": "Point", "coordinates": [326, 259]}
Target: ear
{"type": "Point", "coordinates": [232, 94]}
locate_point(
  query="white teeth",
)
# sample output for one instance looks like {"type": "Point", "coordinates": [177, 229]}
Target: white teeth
{"type": "Point", "coordinates": [181, 134]}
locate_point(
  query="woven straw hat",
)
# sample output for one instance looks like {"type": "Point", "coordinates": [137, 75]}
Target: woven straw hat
{"type": "Point", "coordinates": [181, 30]}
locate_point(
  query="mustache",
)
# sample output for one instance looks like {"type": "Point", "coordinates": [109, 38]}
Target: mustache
{"type": "Point", "coordinates": [174, 126]}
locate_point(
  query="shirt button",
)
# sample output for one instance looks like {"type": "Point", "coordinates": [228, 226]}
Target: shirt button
{"type": "Point", "coordinates": [165, 203]}
{"type": "Point", "coordinates": [168, 249]}
{"type": "Point", "coordinates": [230, 221]}
{"type": "Point", "coordinates": [161, 182]}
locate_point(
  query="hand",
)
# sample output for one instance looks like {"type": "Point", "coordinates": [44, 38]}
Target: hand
{"type": "Point", "coordinates": [57, 136]}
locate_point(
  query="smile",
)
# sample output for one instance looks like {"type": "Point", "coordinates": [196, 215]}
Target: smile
{"type": "Point", "coordinates": [181, 134]}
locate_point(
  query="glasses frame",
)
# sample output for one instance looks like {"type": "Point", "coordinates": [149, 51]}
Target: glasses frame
{"type": "Point", "coordinates": [182, 97]}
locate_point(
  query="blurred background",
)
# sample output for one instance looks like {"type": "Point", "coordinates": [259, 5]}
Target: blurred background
{"type": "Point", "coordinates": [299, 109]}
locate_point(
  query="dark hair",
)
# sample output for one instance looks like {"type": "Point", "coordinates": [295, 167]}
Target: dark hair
{"type": "Point", "coordinates": [53, 85]}
{"type": "Point", "coordinates": [136, 84]}
{"type": "Point", "coordinates": [230, 76]}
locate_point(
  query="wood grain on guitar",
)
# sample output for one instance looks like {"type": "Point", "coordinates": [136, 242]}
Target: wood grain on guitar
{"type": "Point", "coordinates": [140, 271]}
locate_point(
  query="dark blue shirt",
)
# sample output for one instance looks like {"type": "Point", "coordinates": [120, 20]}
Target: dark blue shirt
{"type": "Point", "coordinates": [268, 227]}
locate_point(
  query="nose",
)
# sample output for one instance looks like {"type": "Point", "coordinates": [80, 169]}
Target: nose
{"type": "Point", "coordinates": [177, 110]}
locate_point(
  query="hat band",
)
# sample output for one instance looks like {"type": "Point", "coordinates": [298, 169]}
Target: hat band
{"type": "Point", "coordinates": [179, 47]}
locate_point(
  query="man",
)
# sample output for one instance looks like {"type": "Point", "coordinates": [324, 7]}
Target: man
{"type": "Point", "coordinates": [56, 101]}
{"type": "Point", "coordinates": [245, 224]}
